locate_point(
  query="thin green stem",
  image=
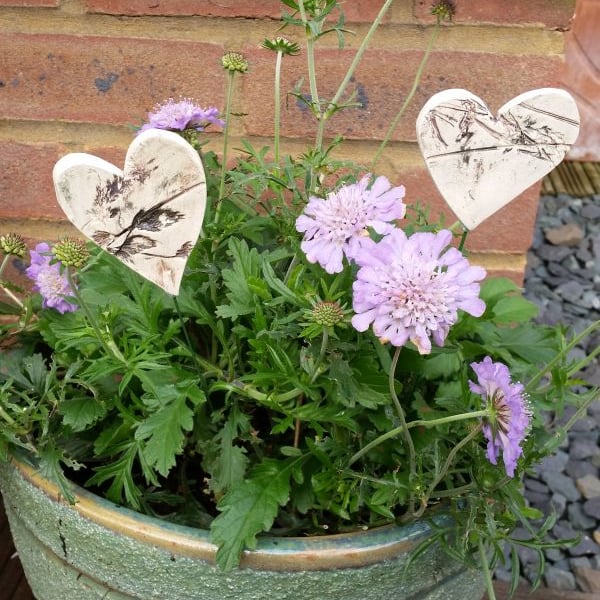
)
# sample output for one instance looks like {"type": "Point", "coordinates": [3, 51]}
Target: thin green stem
{"type": "Point", "coordinates": [409, 97]}
{"type": "Point", "coordinates": [254, 394]}
{"type": "Point", "coordinates": [548, 366]}
{"type": "Point", "coordinates": [108, 344]}
{"type": "Point", "coordinates": [487, 575]}
{"type": "Point", "coordinates": [324, 344]}
{"type": "Point", "coordinates": [312, 74]}
{"type": "Point", "coordinates": [419, 423]}
{"type": "Point", "coordinates": [584, 362]}
{"type": "Point", "coordinates": [412, 462]}
{"type": "Point", "coordinates": [231, 76]}
{"type": "Point", "coordinates": [277, 105]}
{"type": "Point", "coordinates": [4, 289]}
{"type": "Point", "coordinates": [188, 340]}
{"type": "Point", "coordinates": [332, 104]}
{"type": "Point", "coordinates": [4, 263]}
{"type": "Point", "coordinates": [463, 239]}
{"type": "Point", "coordinates": [444, 470]}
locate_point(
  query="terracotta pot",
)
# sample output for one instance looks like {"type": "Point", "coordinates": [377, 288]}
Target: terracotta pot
{"type": "Point", "coordinates": [96, 549]}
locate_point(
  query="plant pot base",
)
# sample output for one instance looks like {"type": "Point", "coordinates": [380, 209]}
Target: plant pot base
{"type": "Point", "coordinates": [66, 554]}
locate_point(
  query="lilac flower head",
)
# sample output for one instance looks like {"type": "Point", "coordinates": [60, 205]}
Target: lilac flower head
{"type": "Point", "coordinates": [508, 425]}
{"type": "Point", "coordinates": [49, 281]}
{"type": "Point", "coordinates": [182, 115]}
{"type": "Point", "coordinates": [336, 227]}
{"type": "Point", "coordinates": [411, 288]}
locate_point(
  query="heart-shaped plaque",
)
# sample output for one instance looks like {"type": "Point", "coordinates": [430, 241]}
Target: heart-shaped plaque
{"type": "Point", "coordinates": [480, 162]}
{"type": "Point", "coordinates": [150, 214]}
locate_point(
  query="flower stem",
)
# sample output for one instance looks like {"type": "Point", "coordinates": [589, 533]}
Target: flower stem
{"type": "Point", "coordinates": [548, 366]}
{"type": "Point", "coordinates": [444, 470]}
{"type": "Point", "coordinates": [231, 75]}
{"type": "Point", "coordinates": [485, 567]}
{"type": "Point", "coordinates": [405, 432]}
{"type": "Point", "coordinates": [5, 289]}
{"type": "Point", "coordinates": [408, 98]}
{"type": "Point", "coordinates": [332, 104]}
{"type": "Point", "coordinates": [419, 423]}
{"type": "Point", "coordinates": [277, 104]}
{"type": "Point", "coordinates": [108, 344]}
{"type": "Point", "coordinates": [312, 77]}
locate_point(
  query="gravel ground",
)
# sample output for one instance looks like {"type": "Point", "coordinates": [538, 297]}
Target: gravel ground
{"type": "Point", "coordinates": [563, 278]}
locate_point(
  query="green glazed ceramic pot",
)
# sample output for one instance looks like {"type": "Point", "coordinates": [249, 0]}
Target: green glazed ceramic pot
{"type": "Point", "coordinates": [98, 550]}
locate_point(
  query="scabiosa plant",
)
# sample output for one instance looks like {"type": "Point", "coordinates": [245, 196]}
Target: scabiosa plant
{"type": "Point", "coordinates": [338, 225]}
{"type": "Point", "coordinates": [49, 280]}
{"type": "Point", "coordinates": [13, 244]}
{"type": "Point", "coordinates": [411, 288]}
{"type": "Point", "coordinates": [181, 115]}
{"type": "Point", "coordinates": [508, 424]}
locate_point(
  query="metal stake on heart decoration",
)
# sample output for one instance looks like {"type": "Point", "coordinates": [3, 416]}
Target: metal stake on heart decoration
{"type": "Point", "coordinates": [150, 214]}
{"type": "Point", "coordinates": [480, 162]}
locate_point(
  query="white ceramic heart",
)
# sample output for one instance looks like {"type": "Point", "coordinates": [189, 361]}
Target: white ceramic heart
{"type": "Point", "coordinates": [150, 214]}
{"type": "Point", "coordinates": [480, 162]}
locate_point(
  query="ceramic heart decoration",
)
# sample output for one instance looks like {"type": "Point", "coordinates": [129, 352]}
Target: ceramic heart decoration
{"type": "Point", "coordinates": [480, 162]}
{"type": "Point", "coordinates": [150, 214]}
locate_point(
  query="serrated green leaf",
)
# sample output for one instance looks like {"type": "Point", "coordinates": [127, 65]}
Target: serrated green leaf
{"type": "Point", "coordinates": [81, 411]}
{"type": "Point", "coordinates": [245, 267]}
{"type": "Point", "coordinates": [164, 430]}
{"type": "Point", "coordinates": [120, 473]}
{"type": "Point", "coordinates": [247, 509]}
{"type": "Point", "coordinates": [231, 462]}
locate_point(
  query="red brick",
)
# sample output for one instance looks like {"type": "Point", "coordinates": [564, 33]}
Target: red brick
{"type": "Point", "coordinates": [382, 81]}
{"type": "Point", "coordinates": [510, 230]}
{"type": "Point", "coordinates": [103, 79]}
{"type": "Point", "coordinates": [26, 187]}
{"type": "Point", "coordinates": [582, 77]}
{"type": "Point", "coordinates": [34, 3]}
{"type": "Point", "coordinates": [554, 14]}
{"type": "Point", "coordinates": [354, 10]}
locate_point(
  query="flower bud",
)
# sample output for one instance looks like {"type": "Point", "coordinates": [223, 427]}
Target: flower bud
{"type": "Point", "coordinates": [327, 314]}
{"type": "Point", "coordinates": [71, 252]}
{"type": "Point", "coordinates": [234, 61]}
{"type": "Point", "coordinates": [444, 10]}
{"type": "Point", "coordinates": [13, 243]}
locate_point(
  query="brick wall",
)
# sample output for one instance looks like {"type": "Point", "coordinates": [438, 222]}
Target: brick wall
{"type": "Point", "coordinates": [76, 74]}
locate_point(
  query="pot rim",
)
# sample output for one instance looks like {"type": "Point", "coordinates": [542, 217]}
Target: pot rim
{"type": "Point", "coordinates": [319, 552]}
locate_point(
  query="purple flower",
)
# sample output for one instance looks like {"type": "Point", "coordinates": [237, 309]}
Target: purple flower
{"type": "Point", "coordinates": [507, 426]}
{"type": "Point", "coordinates": [337, 226]}
{"type": "Point", "coordinates": [182, 115]}
{"type": "Point", "coordinates": [411, 288]}
{"type": "Point", "coordinates": [49, 281]}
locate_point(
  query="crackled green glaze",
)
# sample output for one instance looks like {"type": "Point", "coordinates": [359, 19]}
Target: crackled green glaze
{"type": "Point", "coordinates": [96, 550]}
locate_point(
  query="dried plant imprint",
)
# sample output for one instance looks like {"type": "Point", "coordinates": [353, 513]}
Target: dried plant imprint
{"type": "Point", "coordinates": [150, 214]}
{"type": "Point", "coordinates": [480, 162]}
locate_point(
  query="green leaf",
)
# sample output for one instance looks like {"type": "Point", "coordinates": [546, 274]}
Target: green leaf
{"type": "Point", "coordinates": [247, 509]}
{"type": "Point", "coordinates": [534, 345]}
{"type": "Point", "coordinates": [514, 309]}
{"type": "Point", "coordinates": [121, 473]}
{"type": "Point", "coordinates": [164, 430]}
{"type": "Point", "coordinates": [244, 269]}
{"type": "Point", "coordinates": [496, 288]}
{"type": "Point", "coordinates": [80, 412]}
{"type": "Point", "coordinates": [231, 462]}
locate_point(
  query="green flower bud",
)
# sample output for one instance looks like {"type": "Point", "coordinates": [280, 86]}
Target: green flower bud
{"type": "Point", "coordinates": [71, 252]}
{"type": "Point", "coordinates": [444, 10]}
{"type": "Point", "coordinates": [13, 243]}
{"type": "Point", "coordinates": [234, 61]}
{"type": "Point", "coordinates": [327, 314]}
{"type": "Point", "coordinates": [283, 45]}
